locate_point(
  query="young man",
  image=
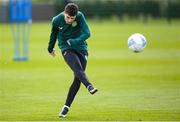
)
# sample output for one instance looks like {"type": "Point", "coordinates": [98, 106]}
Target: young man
{"type": "Point", "coordinates": [71, 29]}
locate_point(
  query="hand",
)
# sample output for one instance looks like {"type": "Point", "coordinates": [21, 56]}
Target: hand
{"type": "Point", "coordinates": [70, 42]}
{"type": "Point", "coordinates": [53, 53]}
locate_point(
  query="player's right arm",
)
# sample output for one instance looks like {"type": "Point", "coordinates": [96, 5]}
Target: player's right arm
{"type": "Point", "coordinates": [53, 37]}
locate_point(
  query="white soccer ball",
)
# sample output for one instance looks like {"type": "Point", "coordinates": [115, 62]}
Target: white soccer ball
{"type": "Point", "coordinates": [137, 42]}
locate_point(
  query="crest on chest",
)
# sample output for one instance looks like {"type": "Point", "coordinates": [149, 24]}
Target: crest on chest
{"type": "Point", "coordinates": [74, 24]}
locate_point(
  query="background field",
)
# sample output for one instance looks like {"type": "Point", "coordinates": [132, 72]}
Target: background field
{"type": "Point", "coordinates": [143, 86]}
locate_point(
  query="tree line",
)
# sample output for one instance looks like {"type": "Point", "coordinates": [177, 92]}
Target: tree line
{"type": "Point", "coordinates": [168, 9]}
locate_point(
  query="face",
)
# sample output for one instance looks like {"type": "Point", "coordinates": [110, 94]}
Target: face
{"type": "Point", "coordinates": [69, 19]}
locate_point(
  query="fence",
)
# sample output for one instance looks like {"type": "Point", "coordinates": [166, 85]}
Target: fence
{"type": "Point", "coordinates": [169, 9]}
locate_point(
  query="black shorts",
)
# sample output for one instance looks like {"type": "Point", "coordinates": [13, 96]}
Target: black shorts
{"type": "Point", "coordinates": [75, 57]}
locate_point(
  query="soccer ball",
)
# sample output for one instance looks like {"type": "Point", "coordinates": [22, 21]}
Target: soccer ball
{"type": "Point", "coordinates": [137, 42]}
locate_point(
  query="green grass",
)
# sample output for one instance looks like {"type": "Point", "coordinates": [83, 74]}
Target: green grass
{"type": "Point", "coordinates": [132, 86]}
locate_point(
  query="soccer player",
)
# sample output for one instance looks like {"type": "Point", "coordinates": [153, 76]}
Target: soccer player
{"type": "Point", "coordinates": [71, 29]}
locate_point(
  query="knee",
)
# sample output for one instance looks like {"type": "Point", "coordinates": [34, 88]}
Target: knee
{"type": "Point", "coordinates": [76, 84]}
{"type": "Point", "coordinates": [79, 73]}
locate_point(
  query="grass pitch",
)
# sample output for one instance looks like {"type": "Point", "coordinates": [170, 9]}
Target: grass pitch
{"type": "Point", "coordinates": [132, 86]}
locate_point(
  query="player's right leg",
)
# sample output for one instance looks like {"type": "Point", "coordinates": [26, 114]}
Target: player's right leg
{"type": "Point", "coordinates": [74, 88]}
{"type": "Point", "coordinates": [70, 97]}
{"type": "Point", "coordinates": [64, 111]}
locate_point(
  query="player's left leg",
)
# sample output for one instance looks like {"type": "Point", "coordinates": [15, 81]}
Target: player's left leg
{"type": "Point", "coordinates": [83, 56]}
{"type": "Point", "coordinates": [75, 64]}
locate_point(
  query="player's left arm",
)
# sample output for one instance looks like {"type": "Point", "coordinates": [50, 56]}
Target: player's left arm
{"type": "Point", "coordinates": [85, 32]}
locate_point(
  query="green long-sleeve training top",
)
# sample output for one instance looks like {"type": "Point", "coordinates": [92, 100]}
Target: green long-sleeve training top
{"type": "Point", "coordinates": [76, 33]}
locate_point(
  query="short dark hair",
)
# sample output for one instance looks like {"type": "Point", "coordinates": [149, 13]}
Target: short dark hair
{"type": "Point", "coordinates": [71, 9]}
